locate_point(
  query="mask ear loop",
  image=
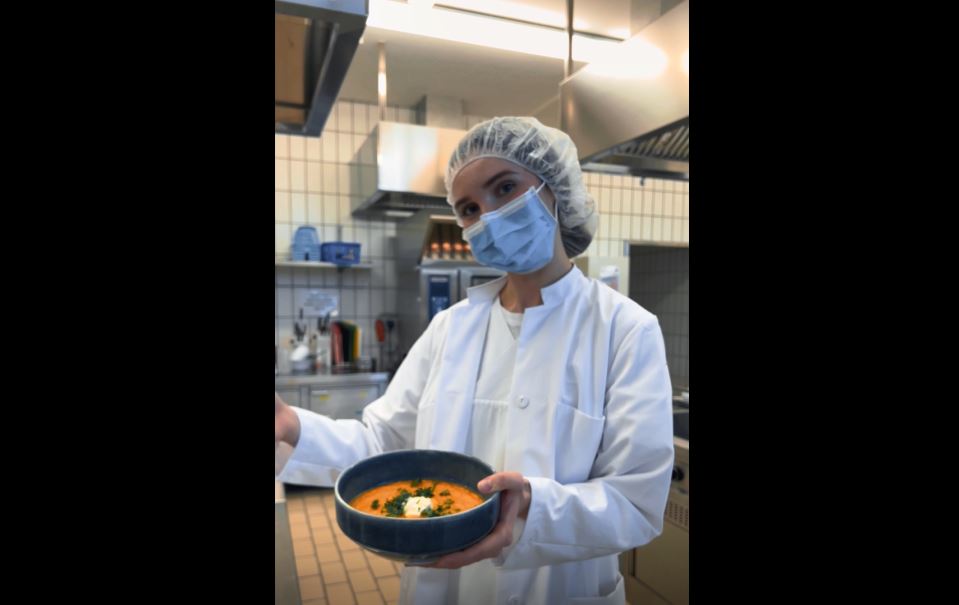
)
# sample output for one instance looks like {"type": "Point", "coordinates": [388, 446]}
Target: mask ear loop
{"type": "Point", "coordinates": [555, 212]}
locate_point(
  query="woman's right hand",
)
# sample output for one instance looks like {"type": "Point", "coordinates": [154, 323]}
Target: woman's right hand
{"type": "Point", "coordinates": [286, 424]}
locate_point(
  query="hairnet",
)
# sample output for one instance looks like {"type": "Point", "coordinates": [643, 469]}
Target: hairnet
{"type": "Point", "coordinates": [546, 152]}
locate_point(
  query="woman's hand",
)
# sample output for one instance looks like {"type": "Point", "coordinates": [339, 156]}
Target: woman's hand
{"type": "Point", "coordinates": [515, 499]}
{"type": "Point", "coordinates": [286, 424]}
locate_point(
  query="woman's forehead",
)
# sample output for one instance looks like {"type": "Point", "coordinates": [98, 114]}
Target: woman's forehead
{"type": "Point", "coordinates": [477, 172]}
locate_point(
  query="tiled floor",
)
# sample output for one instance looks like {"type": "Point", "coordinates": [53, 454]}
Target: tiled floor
{"type": "Point", "coordinates": [332, 569]}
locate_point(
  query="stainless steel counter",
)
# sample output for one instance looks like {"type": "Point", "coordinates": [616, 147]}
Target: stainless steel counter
{"type": "Point", "coordinates": [286, 590]}
{"type": "Point", "coordinates": [330, 380]}
{"type": "Point", "coordinates": [658, 573]}
{"type": "Point", "coordinates": [339, 396]}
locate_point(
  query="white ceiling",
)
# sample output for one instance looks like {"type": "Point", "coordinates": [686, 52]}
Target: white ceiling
{"type": "Point", "coordinates": [490, 81]}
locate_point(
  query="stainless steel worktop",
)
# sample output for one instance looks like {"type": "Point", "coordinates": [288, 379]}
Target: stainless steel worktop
{"type": "Point", "coordinates": [286, 590]}
{"type": "Point", "coordinates": [299, 380]}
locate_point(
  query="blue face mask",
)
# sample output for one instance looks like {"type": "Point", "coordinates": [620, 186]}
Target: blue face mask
{"type": "Point", "coordinates": [517, 238]}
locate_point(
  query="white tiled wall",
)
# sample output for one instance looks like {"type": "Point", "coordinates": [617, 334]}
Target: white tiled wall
{"type": "Point", "coordinates": [653, 212]}
{"type": "Point", "coordinates": [314, 186]}
{"type": "Point", "coordinates": [637, 210]}
{"type": "Point", "coordinates": [659, 280]}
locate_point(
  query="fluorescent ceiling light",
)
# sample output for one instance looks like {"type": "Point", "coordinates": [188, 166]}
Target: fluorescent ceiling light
{"type": "Point", "coordinates": [485, 31]}
{"type": "Point", "coordinates": [635, 59]}
{"type": "Point", "coordinates": [398, 213]}
{"type": "Point", "coordinates": [524, 12]}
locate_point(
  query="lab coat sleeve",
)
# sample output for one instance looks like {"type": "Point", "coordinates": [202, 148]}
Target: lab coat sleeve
{"type": "Point", "coordinates": [327, 447]}
{"type": "Point", "coordinates": [621, 506]}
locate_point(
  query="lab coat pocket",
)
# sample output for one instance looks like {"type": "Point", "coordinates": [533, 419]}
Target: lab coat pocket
{"type": "Point", "coordinates": [617, 596]}
{"type": "Point", "coordinates": [577, 440]}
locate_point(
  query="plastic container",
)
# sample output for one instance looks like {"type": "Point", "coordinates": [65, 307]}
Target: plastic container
{"type": "Point", "coordinates": [306, 245]}
{"type": "Point", "coordinates": [340, 253]}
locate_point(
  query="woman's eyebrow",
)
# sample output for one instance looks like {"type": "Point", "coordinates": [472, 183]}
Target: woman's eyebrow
{"type": "Point", "coordinates": [489, 181]}
{"type": "Point", "coordinates": [498, 175]}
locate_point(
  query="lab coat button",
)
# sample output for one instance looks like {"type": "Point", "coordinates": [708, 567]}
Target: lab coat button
{"type": "Point", "coordinates": [523, 403]}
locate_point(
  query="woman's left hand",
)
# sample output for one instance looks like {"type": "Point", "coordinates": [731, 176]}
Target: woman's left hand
{"type": "Point", "coordinates": [514, 502]}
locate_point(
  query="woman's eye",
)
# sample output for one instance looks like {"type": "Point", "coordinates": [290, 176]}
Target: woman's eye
{"type": "Point", "coordinates": [470, 210]}
{"type": "Point", "coordinates": [506, 187]}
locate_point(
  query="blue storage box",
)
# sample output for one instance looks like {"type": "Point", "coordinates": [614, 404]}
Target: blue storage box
{"type": "Point", "coordinates": [341, 253]}
{"type": "Point", "coordinates": [306, 245]}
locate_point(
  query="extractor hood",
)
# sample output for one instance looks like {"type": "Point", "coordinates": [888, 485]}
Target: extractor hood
{"type": "Point", "coordinates": [314, 43]}
{"type": "Point", "coordinates": [631, 115]}
{"type": "Point", "coordinates": [400, 169]}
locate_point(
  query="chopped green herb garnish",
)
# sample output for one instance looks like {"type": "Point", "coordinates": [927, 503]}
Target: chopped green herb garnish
{"type": "Point", "coordinates": [394, 507]}
{"type": "Point", "coordinates": [442, 509]}
{"type": "Point", "coordinates": [375, 505]}
{"type": "Point", "coordinates": [424, 492]}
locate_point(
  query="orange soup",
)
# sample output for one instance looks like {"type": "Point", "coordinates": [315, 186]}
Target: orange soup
{"type": "Point", "coordinates": [417, 499]}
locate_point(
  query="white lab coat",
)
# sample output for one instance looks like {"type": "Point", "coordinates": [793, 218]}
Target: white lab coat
{"type": "Point", "coordinates": [590, 427]}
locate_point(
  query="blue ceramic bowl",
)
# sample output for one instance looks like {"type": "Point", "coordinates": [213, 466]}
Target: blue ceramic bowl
{"type": "Point", "coordinates": [415, 541]}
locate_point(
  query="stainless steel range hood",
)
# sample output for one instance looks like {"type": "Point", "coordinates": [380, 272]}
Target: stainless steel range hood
{"type": "Point", "coordinates": [400, 170]}
{"type": "Point", "coordinates": [314, 43]}
{"type": "Point", "coordinates": [631, 116]}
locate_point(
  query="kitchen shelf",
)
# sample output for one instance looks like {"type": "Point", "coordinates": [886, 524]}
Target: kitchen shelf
{"type": "Point", "coordinates": [289, 264]}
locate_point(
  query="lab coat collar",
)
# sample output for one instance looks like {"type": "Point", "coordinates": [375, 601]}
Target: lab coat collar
{"type": "Point", "coordinates": [552, 294]}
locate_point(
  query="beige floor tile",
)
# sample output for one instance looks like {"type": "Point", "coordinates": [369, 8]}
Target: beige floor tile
{"type": "Point", "coordinates": [311, 587]}
{"type": "Point", "coordinates": [368, 598]}
{"type": "Point", "coordinates": [362, 580]}
{"type": "Point", "coordinates": [354, 560]}
{"type": "Point", "coordinates": [303, 547]}
{"type": "Point", "coordinates": [390, 587]}
{"type": "Point", "coordinates": [381, 568]}
{"type": "Point", "coordinates": [326, 553]}
{"type": "Point", "coordinates": [340, 594]}
{"type": "Point", "coordinates": [323, 536]}
{"type": "Point", "coordinates": [333, 572]}
{"type": "Point", "coordinates": [306, 566]}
